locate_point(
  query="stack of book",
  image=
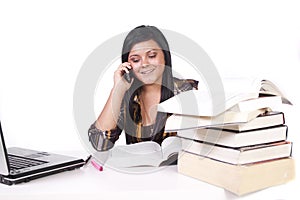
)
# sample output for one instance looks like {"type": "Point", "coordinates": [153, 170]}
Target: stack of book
{"type": "Point", "coordinates": [242, 147]}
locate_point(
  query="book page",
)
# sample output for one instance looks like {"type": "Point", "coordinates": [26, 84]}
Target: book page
{"type": "Point", "coordinates": [241, 84]}
{"type": "Point", "coordinates": [197, 103]}
{"type": "Point", "coordinates": [133, 155]}
{"type": "Point", "coordinates": [204, 102]}
{"type": "Point", "coordinates": [269, 87]}
{"type": "Point", "coordinates": [141, 148]}
{"type": "Point", "coordinates": [253, 85]}
{"type": "Point", "coordinates": [170, 145]}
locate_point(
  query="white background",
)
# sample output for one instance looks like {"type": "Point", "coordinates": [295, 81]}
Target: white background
{"type": "Point", "coordinates": [43, 45]}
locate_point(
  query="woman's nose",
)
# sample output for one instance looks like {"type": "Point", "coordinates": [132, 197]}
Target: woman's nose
{"type": "Point", "coordinates": [145, 62]}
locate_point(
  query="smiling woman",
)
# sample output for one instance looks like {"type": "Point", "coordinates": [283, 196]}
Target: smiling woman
{"type": "Point", "coordinates": [131, 105]}
{"type": "Point", "coordinates": [148, 62]}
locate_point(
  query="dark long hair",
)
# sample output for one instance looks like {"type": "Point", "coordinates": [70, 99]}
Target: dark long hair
{"type": "Point", "coordinates": [141, 34]}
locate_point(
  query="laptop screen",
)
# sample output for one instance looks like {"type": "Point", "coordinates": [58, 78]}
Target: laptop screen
{"type": "Point", "coordinates": [4, 168]}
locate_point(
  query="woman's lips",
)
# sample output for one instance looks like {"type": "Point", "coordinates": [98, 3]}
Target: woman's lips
{"type": "Point", "coordinates": [147, 71]}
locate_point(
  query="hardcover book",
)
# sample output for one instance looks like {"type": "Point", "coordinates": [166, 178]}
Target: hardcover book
{"type": "Point", "coordinates": [184, 122]}
{"type": "Point", "coordinates": [268, 119]}
{"type": "Point", "coordinates": [232, 138]}
{"type": "Point", "coordinates": [238, 179]}
{"type": "Point", "coordinates": [242, 155]}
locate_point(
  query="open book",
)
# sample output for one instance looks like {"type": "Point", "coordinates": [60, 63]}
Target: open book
{"type": "Point", "coordinates": [145, 154]}
{"type": "Point", "coordinates": [212, 103]}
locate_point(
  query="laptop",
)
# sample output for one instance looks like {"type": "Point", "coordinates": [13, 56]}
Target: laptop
{"type": "Point", "coordinates": [19, 165]}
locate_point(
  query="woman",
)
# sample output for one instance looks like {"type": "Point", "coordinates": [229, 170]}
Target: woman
{"type": "Point", "coordinates": [131, 105]}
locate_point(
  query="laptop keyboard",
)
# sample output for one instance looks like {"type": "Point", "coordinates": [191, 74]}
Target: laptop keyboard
{"type": "Point", "coordinates": [16, 162]}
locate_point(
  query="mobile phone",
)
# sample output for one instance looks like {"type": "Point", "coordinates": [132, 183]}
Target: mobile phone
{"type": "Point", "coordinates": [128, 76]}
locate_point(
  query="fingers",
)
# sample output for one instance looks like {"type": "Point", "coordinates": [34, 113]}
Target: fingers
{"type": "Point", "coordinates": [125, 67]}
{"type": "Point", "coordinates": [119, 79]}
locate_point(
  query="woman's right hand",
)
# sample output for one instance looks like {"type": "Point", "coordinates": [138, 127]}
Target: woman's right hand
{"type": "Point", "coordinates": [119, 81]}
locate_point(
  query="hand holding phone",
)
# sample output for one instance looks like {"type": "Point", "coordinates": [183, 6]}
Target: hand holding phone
{"type": "Point", "coordinates": [128, 76]}
{"type": "Point", "coordinates": [125, 72]}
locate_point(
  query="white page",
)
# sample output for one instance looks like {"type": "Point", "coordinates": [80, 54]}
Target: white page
{"type": "Point", "coordinates": [211, 103]}
{"type": "Point", "coordinates": [139, 154]}
{"type": "Point", "coordinates": [170, 145]}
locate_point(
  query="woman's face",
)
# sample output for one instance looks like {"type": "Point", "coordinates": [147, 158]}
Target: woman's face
{"type": "Point", "coordinates": [147, 61]}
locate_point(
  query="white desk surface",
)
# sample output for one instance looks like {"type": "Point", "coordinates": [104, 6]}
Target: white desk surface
{"type": "Point", "coordinates": [88, 183]}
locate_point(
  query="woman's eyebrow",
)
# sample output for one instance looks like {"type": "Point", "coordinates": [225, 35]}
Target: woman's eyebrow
{"type": "Point", "coordinates": [132, 55]}
{"type": "Point", "coordinates": [152, 50]}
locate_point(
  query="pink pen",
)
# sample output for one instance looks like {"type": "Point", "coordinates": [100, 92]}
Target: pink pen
{"type": "Point", "coordinates": [96, 165]}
